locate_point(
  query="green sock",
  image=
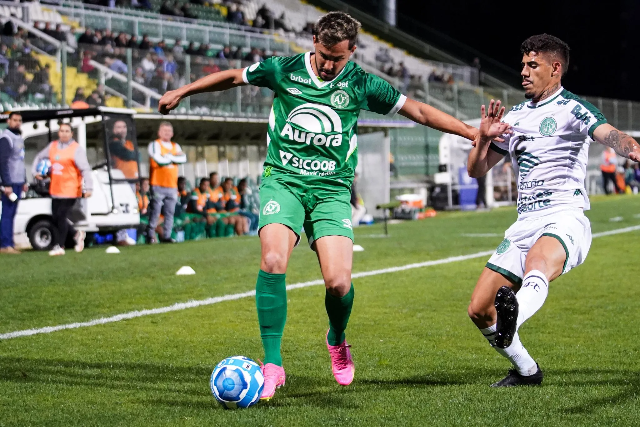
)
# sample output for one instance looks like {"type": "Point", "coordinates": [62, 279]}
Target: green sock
{"type": "Point", "coordinates": [220, 226]}
{"type": "Point", "coordinates": [271, 302]}
{"type": "Point", "coordinates": [339, 310]}
{"type": "Point", "coordinates": [229, 230]}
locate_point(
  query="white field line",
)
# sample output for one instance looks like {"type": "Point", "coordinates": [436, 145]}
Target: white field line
{"type": "Point", "coordinates": [216, 300]}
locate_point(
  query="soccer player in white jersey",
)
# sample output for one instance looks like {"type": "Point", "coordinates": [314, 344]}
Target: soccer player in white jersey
{"type": "Point", "coordinates": [548, 143]}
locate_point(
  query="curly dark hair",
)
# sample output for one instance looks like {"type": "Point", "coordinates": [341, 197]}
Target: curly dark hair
{"type": "Point", "coordinates": [335, 27]}
{"type": "Point", "coordinates": [546, 43]}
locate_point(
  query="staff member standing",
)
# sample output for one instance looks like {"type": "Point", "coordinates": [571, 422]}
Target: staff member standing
{"type": "Point", "coordinates": [12, 179]}
{"type": "Point", "coordinates": [164, 158]}
{"type": "Point", "coordinates": [69, 167]}
{"type": "Point", "coordinates": [608, 168]}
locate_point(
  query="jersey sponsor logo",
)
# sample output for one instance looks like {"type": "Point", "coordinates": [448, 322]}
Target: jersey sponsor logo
{"type": "Point", "coordinates": [309, 166]}
{"type": "Point", "coordinates": [548, 126]}
{"type": "Point", "coordinates": [339, 84]}
{"type": "Point", "coordinates": [523, 138]}
{"type": "Point", "coordinates": [535, 201]}
{"type": "Point", "coordinates": [347, 224]}
{"type": "Point", "coordinates": [294, 91]}
{"type": "Point", "coordinates": [299, 79]}
{"type": "Point", "coordinates": [502, 247]}
{"type": "Point", "coordinates": [582, 116]}
{"type": "Point", "coordinates": [267, 172]}
{"type": "Point", "coordinates": [340, 99]}
{"type": "Point", "coordinates": [527, 185]}
{"type": "Point", "coordinates": [526, 162]}
{"type": "Point", "coordinates": [272, 207]}
{"type": "Point", "coordinates": [314, 123]}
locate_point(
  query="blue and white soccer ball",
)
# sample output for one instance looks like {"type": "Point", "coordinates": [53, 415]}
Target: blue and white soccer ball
{"type": "Point", "coordinates": [237, 382]}
{"type": "Point", "coordinates": [43, 167]}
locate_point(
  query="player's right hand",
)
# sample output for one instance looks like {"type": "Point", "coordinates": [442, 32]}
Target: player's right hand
{"type": "Point", "coordinates": [169, 101]}
{"type": "Point", "coordinates": [39, 177]}
{"type": "Point", "coordinates": [491, 125]}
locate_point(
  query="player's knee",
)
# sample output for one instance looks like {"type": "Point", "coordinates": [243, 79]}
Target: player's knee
{"type": "Point", "coordinates": [338, 285]}
{"type": "Point", "coordinates": [477, 311]}
{"type": "Point", "coordinates": [274, 262]}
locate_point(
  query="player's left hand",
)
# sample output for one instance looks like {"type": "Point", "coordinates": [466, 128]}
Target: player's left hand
{"type": "Point", "coordinates": [491, 125]}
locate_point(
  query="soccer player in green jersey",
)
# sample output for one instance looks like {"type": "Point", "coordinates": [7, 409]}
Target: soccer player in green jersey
{"type": "Point", "coordinates": [311, 159]}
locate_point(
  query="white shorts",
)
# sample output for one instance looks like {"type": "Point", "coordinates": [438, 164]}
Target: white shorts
{"type": "Point", "coordinates": [571, 228]}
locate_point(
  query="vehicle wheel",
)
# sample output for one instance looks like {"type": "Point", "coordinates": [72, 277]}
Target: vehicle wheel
{"type": "Point", "coordinates": [42, 234]}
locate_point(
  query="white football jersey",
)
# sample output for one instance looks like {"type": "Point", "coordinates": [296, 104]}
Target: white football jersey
{"type": "Point", "coordinates": [549, 149]}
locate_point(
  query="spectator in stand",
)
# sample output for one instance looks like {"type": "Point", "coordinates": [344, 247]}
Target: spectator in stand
{"type": "Point", "coordinates": [191, 49]}
{"type": "Point", "coordinates": [235, 15]}
{"type": "Point", "coordinates": [4, 61]}
{"type": "Point", "coordinates": [608, 168]}
{"type": "Point", "coordinates": [60, 33]}
{"type": "Point", "coordinates": [177, 50]}
{"type": "Point", "coordinates": [145, 44]}
{"type": "Point", "coordinates": [404, 75]}
{"type": "Point", "coordinates": [95, 99]}
{"type": "Point", "coordinates": [133, 42]}
{"type": "Point", "coordinates": [167, 8]}
{"type": "Point", "coordinates": [121, 40]}
{"type": "Point", "coordinates": [115, 64]}
{"type": "Point", "coordinates": [87, 37]}
{"type": "Point", "coordinates": [16, 82]}
{"type": "Point", "coordinates": [86, 67]}
{"type": "Point", "coordinates": [9, 29]}
{"type": "Point", "coordinates": [41, 83]}
{"type": "Point", "coordinates": [237, 54]}
{"type": "Point", "coordinates": [211, 67]}
{"type": "Point", "coordinates": [169, 65]}
{"type": "Point", "coordinates": [204, 50]}
{"type": "Point", "coordinates": [254, 56]}
{"type": "Point", "coordinates": [139, 76]}
{"type": "Point", "coordinates": [225, 53]}
{"type": "Point", "coordinates": [160, 48]}
{"type": "Point", "coordinates": [107, 39]}
{"type": "Point", "coordinates": [281, 23]}
{"type": "Point", "coordinates": [265, 18]}
{"type": "Point", "coordinates": [148, 66]}
{"type": "Point", "coordinates": [164, 158]}
{"type": "Point", "coordinates": [70, 167]}
{"type": "Point", "coordinates": [97, 37]}
{"type": "Point", "coordinates": [79, 95]}
{"type": "Point", "coordinates": [166, 83]}
{"type": "Point", "coordinates": [187, 12]}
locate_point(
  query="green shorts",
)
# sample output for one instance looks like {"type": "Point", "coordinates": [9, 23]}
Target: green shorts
{"type": "Point", "coordinates": [325, 212]}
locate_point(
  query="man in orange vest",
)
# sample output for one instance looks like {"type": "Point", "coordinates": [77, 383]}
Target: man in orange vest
{"type": "Point", "coordinates": [69, 168]}
{"type": "Point", "coordinates": [608, 168]}
{"type": "Point", "coordinates": [124, 155]}
{"type": "Point", "coordinates": [164, 158]}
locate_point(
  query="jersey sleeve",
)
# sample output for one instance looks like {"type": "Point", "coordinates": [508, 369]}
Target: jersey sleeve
{"type": "Point", "coordinates": [381, 97]}
{"type": "Point", "coordinates": [261, 73]}
{"type": "Point", "coordinates": [586, 117]}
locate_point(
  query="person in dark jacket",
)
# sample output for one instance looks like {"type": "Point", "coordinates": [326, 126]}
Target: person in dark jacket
{"type": "Point", "coordinates": [13, 178]}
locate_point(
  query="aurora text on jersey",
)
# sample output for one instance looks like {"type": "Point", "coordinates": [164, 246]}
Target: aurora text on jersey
{"type": "Point", "coordinates": [313, 124]}
{"type": "Point", "coordinates": [549, 150]}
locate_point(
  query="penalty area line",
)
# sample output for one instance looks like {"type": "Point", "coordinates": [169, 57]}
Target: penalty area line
{"type": "Point", "coordinates": [232, 297]}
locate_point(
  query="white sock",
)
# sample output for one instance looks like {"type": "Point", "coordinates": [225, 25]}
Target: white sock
{"type": "Point", "coordinates": [531, 296]}
{"type": "Point", "coordinates": [516, 353]}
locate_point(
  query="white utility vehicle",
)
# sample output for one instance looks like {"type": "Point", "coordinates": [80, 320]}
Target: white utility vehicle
{"type": "Point", "coordinates": [112, 206]}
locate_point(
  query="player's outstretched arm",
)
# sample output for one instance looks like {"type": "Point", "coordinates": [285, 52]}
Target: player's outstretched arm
{"type": "Point", "coordinates": [216, 82]}
{"type": "Point", "coordinates": [427, 115]}
{"type": "Point", "coordinates": [481, 157]}
{"type": "Point", "coordinates": [623, 144]}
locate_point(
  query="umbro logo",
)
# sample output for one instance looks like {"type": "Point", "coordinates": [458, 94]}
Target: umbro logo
{"type": "Point", "coordinates": [294, 91]}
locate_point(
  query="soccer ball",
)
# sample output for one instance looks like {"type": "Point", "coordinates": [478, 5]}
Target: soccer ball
{"type": "Point", "coordinates": [237, 382]}
{"type": "Point", "coordinates": [43, 168]}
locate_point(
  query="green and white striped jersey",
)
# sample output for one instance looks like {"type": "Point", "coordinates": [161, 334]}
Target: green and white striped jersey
{"type": "Point", "coordinates": [549, 150]}
{"type": "Point", "coordinates": [312, 131]}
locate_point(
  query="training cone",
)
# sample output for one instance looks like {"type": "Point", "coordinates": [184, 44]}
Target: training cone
{"type": "Point", "coordinates": [113, 250]}
{"type": "Point", "coordinates": [357, 248]}
{"type": "Point", "coordinates": [185, 271]}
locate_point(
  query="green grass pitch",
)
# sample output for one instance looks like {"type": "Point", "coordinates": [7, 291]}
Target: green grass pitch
{"type": "Point", "coordinates": [419, 359]}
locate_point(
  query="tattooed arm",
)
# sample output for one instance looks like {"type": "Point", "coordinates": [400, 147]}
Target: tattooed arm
{"type": "Point", "coordinates": [623, 144]}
